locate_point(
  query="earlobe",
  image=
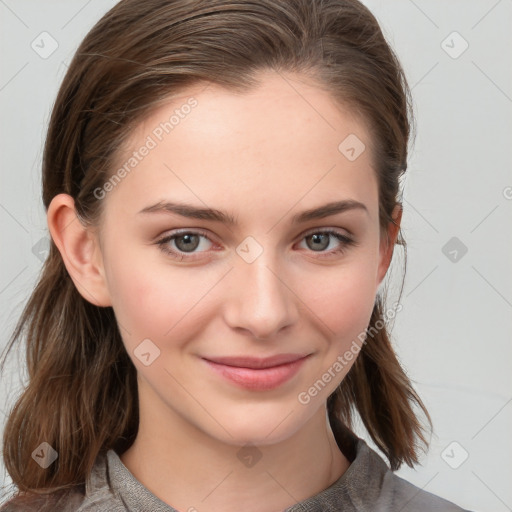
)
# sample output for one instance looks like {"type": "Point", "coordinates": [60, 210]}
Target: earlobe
{"type": "Point", "coordinates": [79, 250]}
{"type": "Point", "coordinates": [387, 245]}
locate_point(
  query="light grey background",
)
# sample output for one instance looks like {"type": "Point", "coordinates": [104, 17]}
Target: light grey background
{"type": "Point", "coordinates": [453, 333]}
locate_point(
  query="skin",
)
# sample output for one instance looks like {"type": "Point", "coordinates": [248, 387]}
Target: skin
{"type": "Point", "coordinates": [262, 156]}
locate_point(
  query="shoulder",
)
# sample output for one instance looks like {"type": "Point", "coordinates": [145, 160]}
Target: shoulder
{"type": "Point", "coordinates": [71, 500]}
{"type": "Point", "coordinates": [67, 500]}
{"type": "Point", "coordinates": [410, 498]}
{"type": "Point", "coordinates": [95, 495]}
{"type": "Point", "coordinates": [369, 483]}
{"type": "Point", "coordinates": [396, 493]}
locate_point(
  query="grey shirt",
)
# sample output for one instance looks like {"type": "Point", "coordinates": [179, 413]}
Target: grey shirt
{"type": "Point", "coordinates": [368, 485]}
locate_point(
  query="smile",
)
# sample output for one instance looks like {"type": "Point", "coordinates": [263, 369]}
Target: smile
{"type": "Point", "coordinates": [258, 374]}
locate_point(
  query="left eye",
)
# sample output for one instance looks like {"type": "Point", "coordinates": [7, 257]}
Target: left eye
{"type": "Point", "coordinates": [185, 244]}
{"type": "Point", "coordinates": [320, 240]}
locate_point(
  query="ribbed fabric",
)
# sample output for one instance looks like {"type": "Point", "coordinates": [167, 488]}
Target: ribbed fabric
{"type": "Point", "coordinates": [368, 485]}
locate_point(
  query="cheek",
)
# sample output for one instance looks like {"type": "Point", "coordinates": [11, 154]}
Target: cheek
{"type": "Point", "coordinates": [151, 299]}
{"type": "Point", "coordinates": [342, 303]}
{"type": "Point", "coordinates": [342, 297]}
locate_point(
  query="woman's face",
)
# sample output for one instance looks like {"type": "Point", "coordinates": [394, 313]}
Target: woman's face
{"type": "Point", "coordinates": [247, 270]}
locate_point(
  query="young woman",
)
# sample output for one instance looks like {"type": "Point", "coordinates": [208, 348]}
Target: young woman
{"type": "Point", "coordinates": [221, 182]}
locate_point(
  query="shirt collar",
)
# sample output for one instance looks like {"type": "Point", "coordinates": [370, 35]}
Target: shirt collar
{"type": "Point", "coordinates": [365, 466]}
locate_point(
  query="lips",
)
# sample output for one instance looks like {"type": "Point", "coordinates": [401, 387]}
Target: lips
{"type": "Point", "coordinates": [255, 362]}
{"type": "Point", "coordinates": [258, 374]}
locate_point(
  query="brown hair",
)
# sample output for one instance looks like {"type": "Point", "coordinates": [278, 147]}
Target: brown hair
{"type": "Point", "coordinates": [82, 392]}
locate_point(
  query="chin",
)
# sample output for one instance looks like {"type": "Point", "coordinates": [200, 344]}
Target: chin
{"type": "Point", "coordinates": [262, 426]}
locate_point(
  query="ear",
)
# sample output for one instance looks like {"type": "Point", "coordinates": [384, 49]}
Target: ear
{"type": "Point", "coordinates": [388, 243]}
{"type": "Point", "coordinates": [80, 250]}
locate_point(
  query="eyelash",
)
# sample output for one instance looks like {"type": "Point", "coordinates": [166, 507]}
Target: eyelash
{"type": "Point", "coordinates": [162, 243]}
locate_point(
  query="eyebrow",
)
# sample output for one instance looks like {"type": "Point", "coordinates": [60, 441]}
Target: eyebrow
{"type": "Point", "coordinates": [212, 214]}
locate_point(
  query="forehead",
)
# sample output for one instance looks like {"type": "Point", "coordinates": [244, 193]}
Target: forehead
{"type": "Point", "coordinates": [284, 140]}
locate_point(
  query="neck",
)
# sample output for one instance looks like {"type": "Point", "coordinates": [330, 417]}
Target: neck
{"type": "Point", "coordinates": [189, 470]}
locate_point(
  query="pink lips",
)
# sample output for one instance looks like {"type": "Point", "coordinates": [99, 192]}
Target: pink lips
{"type": "Point", "coordinates": [258, 374]}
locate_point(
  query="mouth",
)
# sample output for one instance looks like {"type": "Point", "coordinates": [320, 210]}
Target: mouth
{"type": "Point", "coordinates": [257, 374]}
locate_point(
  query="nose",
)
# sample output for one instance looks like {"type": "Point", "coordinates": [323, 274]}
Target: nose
{"type": "Point", "coordinates": [261, 301]}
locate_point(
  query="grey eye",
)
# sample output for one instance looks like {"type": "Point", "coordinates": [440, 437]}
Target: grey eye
{"type": "Point", "coordinates": [187, 242]}
{"type": "Point", "coordinates": [320, 241]}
